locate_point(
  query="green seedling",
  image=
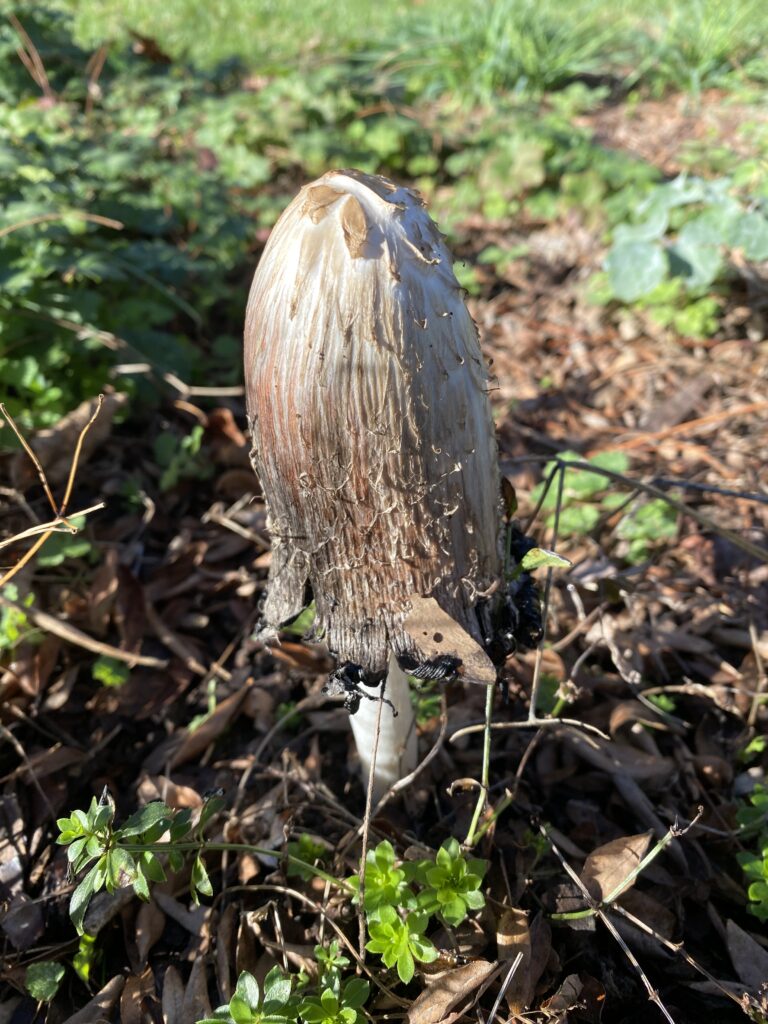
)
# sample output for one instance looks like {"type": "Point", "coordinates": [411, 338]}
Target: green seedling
{"type": "Point", "coordinates": [451, 884]}
{"type": "Point", "coordinates": [306, 851]}
{"type": "Point", "coordinates": [250, 1005]}
{"type": "Point", "coordinates": [400, 942]}
{"type": "Point", "coordinates": [752, 818]}
{"type": "Point", "coordinates": [109, 671]}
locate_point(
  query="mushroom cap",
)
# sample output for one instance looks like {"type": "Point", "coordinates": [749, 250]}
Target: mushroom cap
{"type": "Point", "coordinates": [369, 415]}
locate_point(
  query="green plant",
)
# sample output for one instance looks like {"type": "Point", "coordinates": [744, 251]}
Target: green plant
{"type": "Point", "coordinates": [336, 1006]}
{"type": "Point", "coordinates": [451, 884]}
{"type": "Point", "coordinates": [752, 818]}
{"type": "Point", "coordinates": [306, 853]}
{"type": "Point", "coordinates": [647, 523]}
{"type": "Point", "coordinates": [135, 853]}
{"type": "Point", "coordinates": [399, 900]}
{"type": "Point", "coordinates": [14, 623]}
{"type": "Point", "coordinates": [249, 1005]}
{"type": "Point", "coordinates": [400, 941]}
{"type": "Point", "coordinates": [180, 459]}
{"type": "Point", "coordinates": [675, 251]}
{"type": "Point", "coordinates": [42, 979]}
{"type": "Point", "coordinates": [109, 671]}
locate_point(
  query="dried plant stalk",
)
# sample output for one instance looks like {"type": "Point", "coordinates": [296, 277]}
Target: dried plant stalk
{"type": "Point", "coordinates": [371, 426]}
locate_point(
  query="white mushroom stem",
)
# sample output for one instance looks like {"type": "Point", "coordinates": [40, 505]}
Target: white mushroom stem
{"type": "Point", "coordinates": [397, 749]}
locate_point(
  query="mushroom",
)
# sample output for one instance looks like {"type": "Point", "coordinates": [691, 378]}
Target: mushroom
{"type": "Point", "coordinates": [375, 447]}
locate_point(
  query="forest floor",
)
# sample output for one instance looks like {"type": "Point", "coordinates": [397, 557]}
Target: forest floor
{"type": "Point", "coordinates": [657, 640]}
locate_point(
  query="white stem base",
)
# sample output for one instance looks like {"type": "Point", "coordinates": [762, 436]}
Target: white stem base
{"type": "Point", "coordinates": [397, 752]}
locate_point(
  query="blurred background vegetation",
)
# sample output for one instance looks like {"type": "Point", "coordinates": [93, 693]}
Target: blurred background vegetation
{"type": "Point", "coordinates": [146, 149]}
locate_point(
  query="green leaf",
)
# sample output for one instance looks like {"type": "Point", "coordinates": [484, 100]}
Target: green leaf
{"type": "Point", "coordinates": [42, 980]}
{"type": "Point", "coordinates": [277, 987]}
{"type": "Point", "coordinates": [635, 269]}
{"type": "Point", "coordinates": [540, 558]}
{"type": "Point", "coordinates": [750, 234]}
{"type": "Point", "coordinates": [200, 882]}
{"type": "Point", "coordinates": [152, 814]}
{"type": "Point", "coordinates": [81, 897]}
{"type": "Point", "coordinates": [247, 989]}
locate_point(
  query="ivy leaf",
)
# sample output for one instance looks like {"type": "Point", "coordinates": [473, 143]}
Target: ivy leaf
{"type": "Point", "coordinates": [635, 269]}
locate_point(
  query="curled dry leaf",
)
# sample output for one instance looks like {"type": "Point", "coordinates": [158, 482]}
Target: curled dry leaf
{"type": "Point", "coordinates": [609, 868]}
{"type": "Point", "coordinates": [447, 991]}
{"type": "Point", "coordinates": [160, 787]}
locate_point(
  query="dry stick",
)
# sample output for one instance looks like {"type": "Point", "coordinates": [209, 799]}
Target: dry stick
{"type": "Point", "coordinates": [59, 512]}
{"type": "Point", "coordinates": [688, 425]}
{"type": "Point", "coordinates": [678, 949]}
{"type": "Point", "coordinates": [43, 218]}
{"type": "Point", "coordinates": [55, 525]}
{"type": "Point", "coordinates": [30, 57]}
{"type": "Point", "coordinates": [505, 985]}
{"type": "Point", "coordinates": [75, 636]}
{"type": "Point", "coordinates": [596, 909]}
{"type": "Point", "coordinates": [758, 697]}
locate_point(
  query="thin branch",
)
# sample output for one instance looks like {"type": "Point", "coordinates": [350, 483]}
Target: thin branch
{"type": "Point", "coordinates": [43, 218]}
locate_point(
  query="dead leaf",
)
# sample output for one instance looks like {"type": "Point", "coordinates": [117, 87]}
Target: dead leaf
{"type": "Point", "coordinates": [435, 634]}
{"type": "Point", "coordinates": [55, 446]}
{"type": "Point", "coordinates": [99, 1009]}
{"type": "Point", "coordinates": [22, 921]}
{"type": "Point", "coordinates": [447, 991]}
{"type": "Point", "coordinates": [609, 868]}
{"type": "Point", "coordinates": [150, 924]}
{"type": "Point", "coordinates": [196, 1003]}
{"type": "Point", "coordinates": [748, 957]}
{"type": "Point", "coordinates": [137, 989]}
{"type": "Point", "coordinates": [103, 592]}
{"type": "Point", "coordinates": [192, 920]}
{"type": "Point", "coordinates": [173, 997]}
{"type": "Point", "coordinates": [159, 787]}
{"type": "Point", "coordinates": [512, 937]}
{"type": "Point", "coordinates": [567, 996]}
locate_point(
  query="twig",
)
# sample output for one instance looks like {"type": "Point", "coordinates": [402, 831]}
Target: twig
{"type": "Point", "coordinates": [42, 218]}
{"type": "Point", "coordinates": [73, 635]}
{"type": "Point", "coordinates": [596, 908]}
{"type": "Point", "coordinates": [758, 697]}
{"type": "Point", "coordinates": [687, 426]}
{"type": "Point", "coordinates": [529, 723]}
{"type": "Point", "coordinates": [30, 57]}
{"type": "Point", "coordinates": [60, 511]}
{"type": "Point", "coordinates": [482, 799]}
{"type": "Point", "coordinates": [535, 685]}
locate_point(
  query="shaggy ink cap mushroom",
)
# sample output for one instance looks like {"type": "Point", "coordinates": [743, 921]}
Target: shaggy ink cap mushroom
{"type": "Point", "coordinates": [371, 426]}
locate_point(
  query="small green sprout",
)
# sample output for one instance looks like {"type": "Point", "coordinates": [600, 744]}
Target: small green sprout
{"type": "Point", "coordinates": [400, 942]}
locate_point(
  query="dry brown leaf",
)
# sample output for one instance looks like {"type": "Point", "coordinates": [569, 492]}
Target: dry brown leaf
{"type": "Point", "coordinates": [435, 634]}
{"type": "Point", "coordinates": [103, 592]}
{"type": "Point", "coordinates": [196, 1003]}
{"type": "Point", "coordinates": [448, 991]}
{"type": "Point", "coordinates": [99, 1009]}
{"type": "Point", "coordinates": [160, 787]}
{"type": "Point", "coordinates": [192, 920]}
{"type": "Point", "coordinates": [194, 743]}
{"type": "Point", "coordinates": [225, 944]}
{"type": "Point", "coordinates": [612, 864]}
{"type": "Point", "coordinates": [748, 957]}
{"type": "Point", "coordinates": [55, 446]}
{"type": "Point", "coordinates": [566, 997]}
{"type": "Point", "coordinates": [137, 988]}
{"type": "Point", "coordinates": [513, 936]}
{"type": "Point", "coordinates": [173, 997]}
{"type": "Point", "coordinates": [150, 924]}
